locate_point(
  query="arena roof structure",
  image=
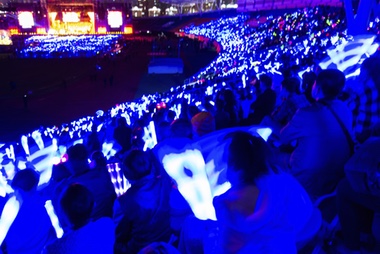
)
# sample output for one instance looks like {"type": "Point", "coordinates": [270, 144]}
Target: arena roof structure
{"type": "Point", "coordinates": [261, 5]}
{"type": "Point", "coordinates": [186, 3]}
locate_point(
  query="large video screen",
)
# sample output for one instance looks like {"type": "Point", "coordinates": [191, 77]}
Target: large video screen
{"type": "Point", "coordinates": [5, 38]}
{"type": "Point", "coordinates": [25, 19]}
{"type": "Point", "coordinates": [115, 19]}
{"type": "Point", "coordinates": [70, 17]}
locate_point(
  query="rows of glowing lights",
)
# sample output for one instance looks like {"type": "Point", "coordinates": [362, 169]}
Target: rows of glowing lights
{"type": "Point", "coordinates": [199, 194]}
{"type": "Point", "coordinates": [296, 35]}
{"type": "Point", "coordinates": [88, 44]}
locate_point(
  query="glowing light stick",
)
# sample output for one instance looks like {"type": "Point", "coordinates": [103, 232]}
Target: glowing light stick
{"type": "Point", "coordinates": [54, 218]}
{"type": "Point", "coordinates": [99, 127]}
{"type": "Point", "coordinates": [87, 126]}
{"type": "Point", "coordinates": [243, 80]}
{"type": "Point", "coordinates": [79, 141]}
{"type": "Point", "coordinates": [120, 183]}
{"type": "Point", "coordinates": [8, 215]}
{"type": "Point", "coordinates": [44, 165]}
{"type": "Point", "coordinates": [264, 133]}
{"type": "Point", "coordinates": [4, 186]}
{"type": "Point", "coordinates": [10, 152]}
{"type": "Point", "coordinates": [217, 188]}
{"type": "Point", "coordinates": [24, 143]}
{"type": "Point", "coordinates": [108, 150]}
{"type": "Point", "coordinates": [177, 110]}
{"type": "Point", "coordinates": [150, 136]}
{"type": "Point", "coordinates": [127, 118]}
{"type": "Point", "coordinates": [195, 188]}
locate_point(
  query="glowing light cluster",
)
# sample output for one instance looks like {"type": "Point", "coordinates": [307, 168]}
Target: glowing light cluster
{"type": "Point", "coordinates": [297, 36]}
{"type": "Point", "coordinates": [68, 46]}
{"type": "Point", "coordinates": [120, 183]}
{"type": "Point", "coordinates": [292, 38]}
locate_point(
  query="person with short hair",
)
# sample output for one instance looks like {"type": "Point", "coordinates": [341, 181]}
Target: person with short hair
{"type": "Point", "coordinates": [97, 181]}
{"type": "Point", "coordinates": [142, 214]}
{"type": "Point", "coordinates": [264, 211]}
{"type": "Point", "coordinates": [322, 147]}
{"type": "Point", "coordinates": [85, 235]}
{"type": "Point", "coordinates": [292, 100]}
{"type": "Point", "coordinates": [265, 101]}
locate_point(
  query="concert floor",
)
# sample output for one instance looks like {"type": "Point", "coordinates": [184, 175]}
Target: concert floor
{"type": "Point", "coordinates": [61, 90]}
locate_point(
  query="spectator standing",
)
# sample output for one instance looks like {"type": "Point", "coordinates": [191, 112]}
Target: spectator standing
{"type": "Point", "coordinates": [322, 147]}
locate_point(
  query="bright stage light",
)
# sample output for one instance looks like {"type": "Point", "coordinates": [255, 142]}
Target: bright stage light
{"type": "Point", "coordinates": [5, 38]}
{"type": "Point", "coordinates": [115, 19]}
{"type": "Point", "coordinates": [128, 30]}
{"type": "Point", "coordinates": [25, 19]}
{"type": "Point", "coordinates": [70, 17]}
{"type": "Point", "coordinates": [102, 30]}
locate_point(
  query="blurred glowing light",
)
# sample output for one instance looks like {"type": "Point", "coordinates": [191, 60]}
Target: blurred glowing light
{"type": "Point", "coordinates": [25, 19]}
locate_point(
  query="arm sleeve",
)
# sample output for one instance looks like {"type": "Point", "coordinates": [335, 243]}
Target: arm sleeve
{"type": "Point", "coordinates": [293, 130]}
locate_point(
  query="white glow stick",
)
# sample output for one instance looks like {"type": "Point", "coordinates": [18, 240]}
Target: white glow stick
{"type": "Point", "coordinates": [108, 150]}
{"type": "Point", "coordinates": [243, 79]}
{"type": "Point", "coordinates": [120, 183]}
{"type": "Point", "coordinates": [196, 188]}
{"type": "Point", "coordinates": [8, 215]}
{"type": "Point", "coordinates": [264, 133]}
{"type": "Point", "coordinates": [150, 136]}
{"type": "Point", "coordinates": [78, 141]}
{"type": "Point", "coordinates": [24, 143]}
{"type": "Point", "coordinates": [37, 137]}
{"type": "Point", "coordinates": [99, 127]}
{"type": "Point", "coordinates": [11, 152]}
{"type": "Point", "coordinates": [53, 218]}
